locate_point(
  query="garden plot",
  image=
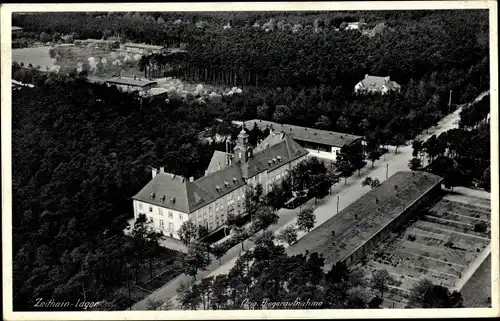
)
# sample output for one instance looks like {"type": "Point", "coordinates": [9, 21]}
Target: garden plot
{"type": "Point", "coordinates": [438, 247]}
{"type": "Point", "coordinates": [481, 212]}
{"type": "Point", "coordinates": [473, 202]}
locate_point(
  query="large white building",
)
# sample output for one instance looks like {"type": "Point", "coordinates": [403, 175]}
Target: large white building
{"type": "Point", "coordinates": [169, 200]}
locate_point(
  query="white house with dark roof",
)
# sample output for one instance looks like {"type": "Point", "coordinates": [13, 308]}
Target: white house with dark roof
{"type": "Point", "coordinates": [320, 143]}
{"type": "Point", "coordinates": [169, 200]}
{"type": "Point", "coordinates": [375, 84]}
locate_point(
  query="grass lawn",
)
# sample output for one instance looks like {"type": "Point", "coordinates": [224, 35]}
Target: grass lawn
{"type": "Point", "coordinates": [37, 56]}
{"type": "Point", "coordinates": [478, 289]}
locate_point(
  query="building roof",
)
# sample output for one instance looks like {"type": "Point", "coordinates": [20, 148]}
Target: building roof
{"type": "Point", "coordinates": [305, 134]}
{"type": "Point", "coordinates": [375, 82]}
{"type": "Point", "coordinates": [191, 196]}
{"type": "Point", "coordinates": [16, 28]}
{"type": "Point", "coordinates": [96, 79]}
{"type": "Point", "coordinates": [139, 82]}
{"type": "Point", "coordinates": [173, 187]}
{"type": "Point", "coordinates": [143, 46]}
{"type": "Point", "coordinates": [218, 161]}
{"type": "Point", "coordinates": [100, 40]}
{"type": "Point", "coordinates": [352, 233]}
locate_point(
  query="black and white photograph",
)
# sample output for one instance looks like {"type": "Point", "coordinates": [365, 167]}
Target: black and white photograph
{"type": "Point", "coordinates": [220, 161]}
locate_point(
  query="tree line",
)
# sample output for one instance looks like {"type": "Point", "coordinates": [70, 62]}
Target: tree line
{"type": "Point", "coordinates": [460, 155]}
{"type": "Point", "coordinates": [267, 274]}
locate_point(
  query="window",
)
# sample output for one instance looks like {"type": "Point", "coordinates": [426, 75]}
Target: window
{"type": "Point", "coordinates": [160, 211]}
{"type": "Point", "coordinates": [171, 227]}
{"type": "Point", "coordinates": [180, 217]}
{"type": "Point", "coordinates": [140, 206]}
{"type": "Point", "coordinates": [170, 215]}
{"type": "Point", "coordinates": [151, 209]}
{"type": "Point", "coordinates": [161, 223]}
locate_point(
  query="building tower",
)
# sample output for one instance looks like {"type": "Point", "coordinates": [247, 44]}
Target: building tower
{"type": "Point", "coordinates": [242, 150]}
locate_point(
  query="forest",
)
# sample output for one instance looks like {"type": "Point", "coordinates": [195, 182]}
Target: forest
{"type": "Point", "coordinates": [81, 151]}
{"type": "Point", "coordinates": [460, 155]}
{"type": "Point", "coordinates": [268, 274]}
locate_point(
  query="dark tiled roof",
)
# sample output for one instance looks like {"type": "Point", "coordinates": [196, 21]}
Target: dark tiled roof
{"type": "Point", "coordinates": [268, 157]}
{"type": "Point", "coordinates": [169, 185]}
{"type": "Point", "coordinates": [190, 196]}
{"type": "Point", "coordinates": [371, 217]}
{"type": "Point", "coordinates": [214, 185]}
{"type": "Point", "coordinates": [218, 158]}
{"type": "Point", "coordinates": [305, 134]}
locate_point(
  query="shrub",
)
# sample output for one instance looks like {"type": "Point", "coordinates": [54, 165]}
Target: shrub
{"type": "Point", "coordinates": [480, 227]}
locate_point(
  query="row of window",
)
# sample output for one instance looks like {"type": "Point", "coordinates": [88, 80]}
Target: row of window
{"type": "Point", "coordinates": [160, 211]}
{"type": "Point", "coordinates": [161, 224]}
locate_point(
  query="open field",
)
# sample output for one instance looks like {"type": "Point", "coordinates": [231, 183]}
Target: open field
{"type": "Point", "coordinates": [37, 56]}
{"type": "Point", "coordinates": [440, 246]}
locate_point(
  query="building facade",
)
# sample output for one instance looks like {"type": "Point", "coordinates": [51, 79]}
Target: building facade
{"type": "Point", "coordinates": [169, 200]}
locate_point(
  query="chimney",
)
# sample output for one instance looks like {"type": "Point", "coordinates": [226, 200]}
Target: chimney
{"type": "Point", "coordinates": [388, 78]}
{"type": "Point", "coordinates": [154, 171]}
{"type": "Point", "coordinates": [366, 76]}
{"type": "Point", "coordinates": [162, 169]}
{"type": "Point", "coordinates": [191, 179]}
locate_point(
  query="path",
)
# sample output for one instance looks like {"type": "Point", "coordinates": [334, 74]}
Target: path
{"type": "Point", "coordinates": [383, 168]}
